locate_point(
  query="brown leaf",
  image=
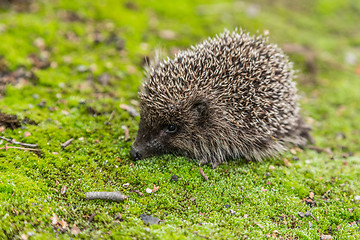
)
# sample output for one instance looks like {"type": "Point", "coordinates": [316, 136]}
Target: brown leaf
{"type": "Point", "coordinates": [311, 195]}
{"type": "Point", "coordinates": [155, 188]}
{"type": "Point", "coordinates": [325, 237]}
{"type": "Point", "coordinates": [75, 230]}
{"type": "Point", "coordinates": [167, 34]}
{"type": "Point", "coordinates": [139, 193]}
{"type": "Point", "coordinates": [24, 236]}
{"type": "Point", "coordinates": [27, 134]}
{"type": "Point", "coordinates": [39, 43]}
{"type": "Point", "coordinates": [287, 162]}
{"type": "Point", "coordinates": [358, 70]}
{"type": "Point", "coordinates": [293, 151]}
{"type": "Point", "coordinates": [54, 219]}
{"type": "Point", "coordinates": [63, 224]}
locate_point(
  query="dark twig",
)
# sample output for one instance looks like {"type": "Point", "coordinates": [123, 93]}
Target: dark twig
{"type": "Point", "coordinates": [112, 196]}
{"type": "Point", "coordinates": [203, 174]}
{"type": "Point", "coordinates": [67, 143]}
{"type": "Point", "coordinates": [19, 143]}
{"type": "Point", "coordinates": [201, 236]}
{"type": "Point", "coordinates": [91, 217]}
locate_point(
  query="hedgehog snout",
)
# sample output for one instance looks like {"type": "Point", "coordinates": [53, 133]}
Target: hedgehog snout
{"type": "Point", "coordinates": [135, 154]}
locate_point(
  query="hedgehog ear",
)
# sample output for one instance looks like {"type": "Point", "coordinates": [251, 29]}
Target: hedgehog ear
{"type": "Point", "coordinates": [201, 111]}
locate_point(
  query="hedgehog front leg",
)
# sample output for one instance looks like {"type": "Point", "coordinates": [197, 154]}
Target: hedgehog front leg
{"type": "Point", "coordinates": [215, 164]}
{"type": "Point", "coordinates": [203, 161]}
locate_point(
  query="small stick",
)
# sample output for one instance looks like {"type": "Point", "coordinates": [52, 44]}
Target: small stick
{"type": "Point", "coordinates": [201, 236]}
{"type": "Point", "coordinates": [110, 118]}
{"type": "Point", "coordinates": [112, 196]}
{"type": "Point", "coordinates": [203, 174]}
{"type": "Point", "coordinates": [67, 143]}
{"type": "Point", "coordinates": [126, 130]}
{"type": "Point", "coordinates": [21, 148]}
{"type": "Point", "coordinates": [319, 150]}
{"type": "Point", "coordinates": [19, 143]}
{"type": "Point", "coordinates": [91, 217]}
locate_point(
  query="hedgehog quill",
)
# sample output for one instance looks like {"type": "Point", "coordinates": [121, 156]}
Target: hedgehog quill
{"type": "Point", "coordinates": [228, 97]}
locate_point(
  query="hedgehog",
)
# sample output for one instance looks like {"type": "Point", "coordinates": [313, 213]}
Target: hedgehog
{"type": "Point", "coordinates": [228, 97]}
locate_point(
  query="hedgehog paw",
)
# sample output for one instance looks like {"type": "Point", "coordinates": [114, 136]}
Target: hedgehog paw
{"type": "Point", "coordinates": [203, 162]}
{"type": "Point", "coordinates": [215, 164]}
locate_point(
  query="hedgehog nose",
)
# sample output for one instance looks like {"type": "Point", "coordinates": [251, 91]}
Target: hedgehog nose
{"type": "Point", "coordinates": [135, 154]}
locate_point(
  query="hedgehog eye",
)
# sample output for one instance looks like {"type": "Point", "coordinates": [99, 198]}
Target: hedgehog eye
{"type": "Point", "coordinates": [171, 128]}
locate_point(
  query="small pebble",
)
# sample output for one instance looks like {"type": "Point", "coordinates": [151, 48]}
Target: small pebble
{"type": "Point", "coordinates": [357, 198]}
{"type": "Point", "coordinates": [126, 185]}
{"type": "Point", "coordinates": [148, 190]}
{"type": "Point", "coordinates": [81, 68]}
{"type": "Point", "coordinates": [232, 212]}
{"type": "Point", "coordinates": [175, 178]}
{"type": "Point", "coordinates": [310, 224]}
{"type": "Point", "coordinates": [301, 214]}
{"type": "Point", "coordinates": [308, 214]}
{"type": "Point", "coordinates": [150, 220]}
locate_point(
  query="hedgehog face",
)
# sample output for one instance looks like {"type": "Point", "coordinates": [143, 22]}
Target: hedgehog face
{"type": "Point", "coordinates": [170, 131]}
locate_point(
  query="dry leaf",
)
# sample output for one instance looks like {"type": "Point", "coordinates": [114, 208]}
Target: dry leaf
{"type": "Point", "coordinates": [54, 219]}
{"type": "Point", "coordinates": [155, 188]}
{"type": "Point", "coordinates": [27, 134]}
{"type": "Point", "coordinates": [63, 224]}
{"type": "Point", "coordinates": [325, 237]}
{"type": "Point", "coordinates": [287, 162]}
{"type": "Point", "coordinates": [167, 34]}
{"type": "Point", "coordinates": [75, 230]}
{"type": "Point", "coordinates": [139, 193]}
{"type": "Point", "coordinates": [24, 236]}
{"type": "Point", "coordinates": [311, 195]}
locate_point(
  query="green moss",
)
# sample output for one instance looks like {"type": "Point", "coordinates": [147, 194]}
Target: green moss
{"type": "Point", "coordinates": [265, 197]}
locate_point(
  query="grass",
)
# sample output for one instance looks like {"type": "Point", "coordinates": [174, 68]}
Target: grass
{"type": "Point", "coordinates": [83, 40]}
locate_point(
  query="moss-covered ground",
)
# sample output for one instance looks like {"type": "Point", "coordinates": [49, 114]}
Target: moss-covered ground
{"type": "Point", "coordinates": [87, 58]}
